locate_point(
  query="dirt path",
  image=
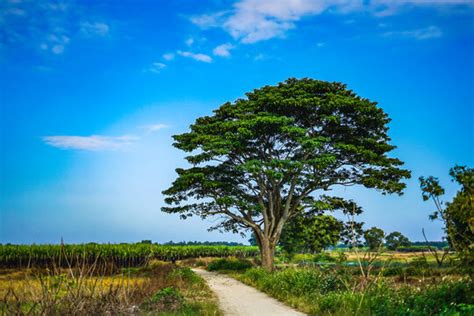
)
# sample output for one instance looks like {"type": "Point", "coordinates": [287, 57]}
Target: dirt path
{"type": "Point", "coordinates": [238, 299]}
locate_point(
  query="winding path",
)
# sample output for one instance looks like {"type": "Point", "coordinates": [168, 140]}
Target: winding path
{"type": "Point", "coordinates": [238, 299]}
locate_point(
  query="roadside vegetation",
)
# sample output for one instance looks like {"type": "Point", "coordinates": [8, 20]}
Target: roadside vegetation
{"type": "Point", "coordinates": [156, 288]}
{"type": "Point", "coordinates": [349, 283]}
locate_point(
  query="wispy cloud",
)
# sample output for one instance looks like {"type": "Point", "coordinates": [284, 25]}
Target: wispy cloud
{"type": "Point", "coordinates": [90, 143]}
{"type": "Point", "coordinates": [418, 34]}
{"type": "Point", "coordinates": [49, 26]}
{"type": "Point", "coordinates": [223, 50]}
{"type": "Point", "coordinates": [199, 57]}
{"type": "Point", "coordinates": [251, 21]}
{"type": "Point", "coordinates": [55, 43]}
{"type": "Point", "coordinates": [168, 56]}
{"type": "Point", "coordinates": [154, 127]}
{"type": "Point", "coordinates": [94, 28]}
{"type": "Point", "coordinates": [156, 67]}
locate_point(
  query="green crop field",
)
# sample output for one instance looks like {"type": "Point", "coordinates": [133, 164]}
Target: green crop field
{"type": "Point", "coordinates": [118, 254]}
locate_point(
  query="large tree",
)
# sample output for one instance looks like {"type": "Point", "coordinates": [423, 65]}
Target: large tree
{"type": "Point", "coordinates": [263, 159]}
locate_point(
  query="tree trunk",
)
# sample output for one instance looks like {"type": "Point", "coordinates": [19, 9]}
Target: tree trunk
{"type": "Point", "coordinates": [267, 251]}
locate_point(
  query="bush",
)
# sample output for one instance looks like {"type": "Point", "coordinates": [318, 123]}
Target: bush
{"type": "Point", "coordinates": [167, 299]}
{"type": "Point", "coordinates": [229, 264]}
{"type": "Point", "coordinates": [324, 257]}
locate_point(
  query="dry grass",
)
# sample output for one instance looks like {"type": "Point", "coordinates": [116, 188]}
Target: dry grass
{"type": "Point", "coordinates": [81, 291]}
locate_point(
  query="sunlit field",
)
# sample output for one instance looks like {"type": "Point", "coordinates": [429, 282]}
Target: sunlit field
{"type": "Point", "coordinates": [337, 282]}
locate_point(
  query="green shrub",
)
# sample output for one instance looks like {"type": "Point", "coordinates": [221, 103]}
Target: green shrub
{"type": "Point", "coordinates": [167, 299]}
{"type": "Point", "coordinates": [229, 264]}
{"type": "Point", "coordinates": [185, 274]}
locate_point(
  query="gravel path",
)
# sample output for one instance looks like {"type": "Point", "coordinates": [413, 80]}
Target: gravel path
{"type": "Point", "coordinates": [238, 299]}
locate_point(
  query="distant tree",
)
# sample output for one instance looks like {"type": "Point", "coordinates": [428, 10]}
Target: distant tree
{"type": "Point", "coordinates": [374, 238]}
{"type": "Point", "coordinates": [264, 159]}
{"type": "Point", "coordinates": [457, 215]}
{"type": "Point", "coordinates": [310, 233]}
{"type": "Point", "coordinates": [395, 240]}
{"type": "Point", "coordinates": [436, 244]}
{"type": "Point", "coordinates": [253, 240]}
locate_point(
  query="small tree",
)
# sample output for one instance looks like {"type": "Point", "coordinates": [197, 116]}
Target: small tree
{"type": "Point", "coordinates": [264, 159]}
{"type": "Point", "coordinates": [395, 240]}
{"type": "Point", "coordinates": [374, 238]}
{"type": "Point", "coordinates": [310, 233]}
{"type": "Point", "coordinates": [458, 215]}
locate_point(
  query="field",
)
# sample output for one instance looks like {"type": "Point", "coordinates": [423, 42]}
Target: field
{"type": "Point", "coordinates": [108, 278]}
{"type": "Point", "coordinates": [152, 279]}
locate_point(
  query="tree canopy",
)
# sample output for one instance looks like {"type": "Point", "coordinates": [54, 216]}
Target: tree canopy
{"type": "Point", "coordinates": [264, 159]}
{"type": "Point", "coordinates": [374, 238]}
{"type": "Point", "coordinates": [395, 240]}
{"type": "Point", "coordinates": [310, 233]}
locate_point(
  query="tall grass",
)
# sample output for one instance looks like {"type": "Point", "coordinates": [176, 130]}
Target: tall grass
{"type": "Point", "coordinates": [86, 289]}
{"type": "Point", "coordinates": [337, 292]}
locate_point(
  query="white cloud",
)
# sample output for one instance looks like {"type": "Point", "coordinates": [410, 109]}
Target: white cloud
{"type": "Point", "coordinates": [90, 143]}
{"type": "Point", "coordinates": [156, 67]}
{"type": "Point", "coordinates": [199, 57]}
{"type": "Point", "coordinates": [419, 34]}
{"type": "Point", "coordinates": [154, 127]}
{"type": "Point", "coordinates": [209, 20]}
{"type": "Point", "coordinates": [189, 41]}
{"type": "Point", "coordinates": [223, 50]}
{"type": "Point", "coordinates": [94, 28]}
{"type": "Point", "coordinates": [251, 21]}
{"type": "Point", "coordinates": [320, 44]}
{"type": "Point", "coordinates": [168, 56]}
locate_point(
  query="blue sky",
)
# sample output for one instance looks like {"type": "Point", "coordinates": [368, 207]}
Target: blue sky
{"type": "Point", "coordinates": [91, 94]}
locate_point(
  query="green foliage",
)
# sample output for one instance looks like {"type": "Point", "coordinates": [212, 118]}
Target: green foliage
{"type": "Point", "coordinates": [374, 238]}
{"type": "Point", "coordinates": [229, 264]}
{"type": "Point", "coordinates": [258, 160]}
{"type": "Point", "coordinates": [460, 214]}
{"type": "Point", "coordinates": [310, 234]}
{"type": "Point", "coordinates": [395, 240]}
{"type": "Point", "coordinates": [457, 215]}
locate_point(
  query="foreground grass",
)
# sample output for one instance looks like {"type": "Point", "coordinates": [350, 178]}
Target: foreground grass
{"type": "Point", "coordinates": [339, 289]}
{"type": "Point", "coordinates": [327, 293]}
{"type": "Point", "coordinates": [156, 289]}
